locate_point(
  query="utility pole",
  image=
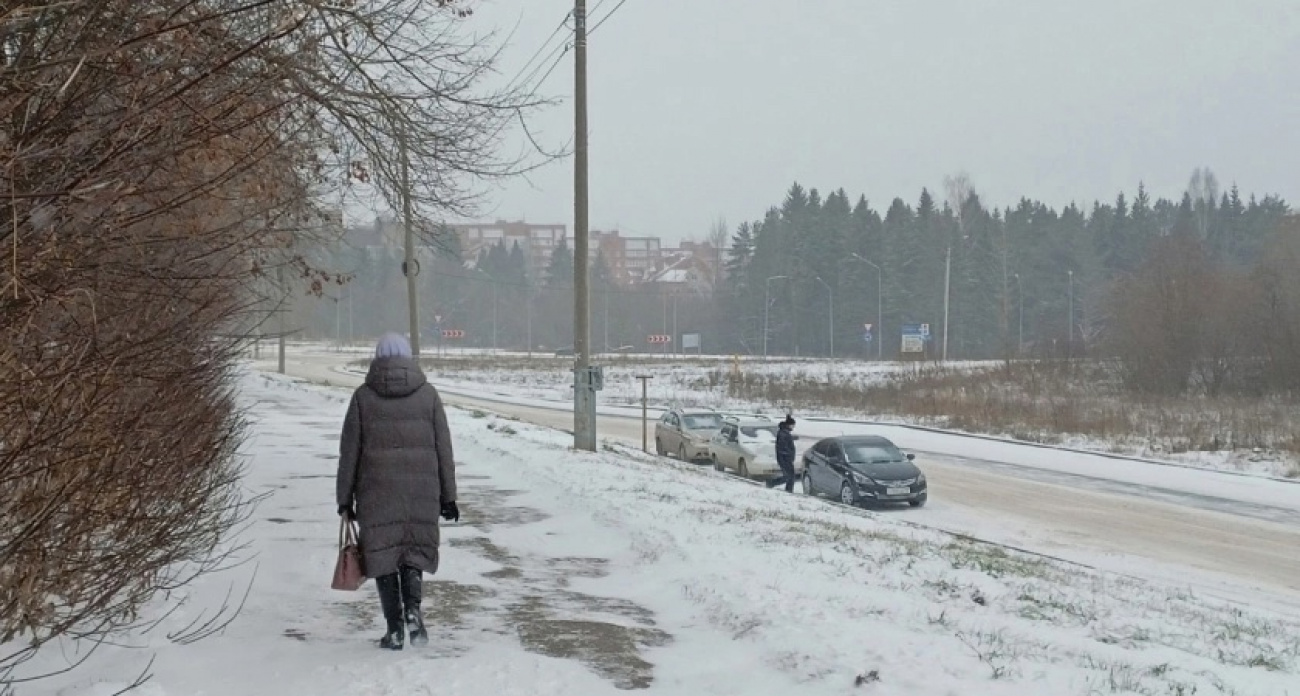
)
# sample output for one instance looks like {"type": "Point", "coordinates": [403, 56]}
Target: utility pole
{"type": "Point", "coordinates": [1020, 297]}
{"type": "Point", "coordinates": [584, 395]}
{"type": "Point", "coordinates": [409, 268]}
{"type": "Point", "coordinates": [880, 304]}
{"type": "Point", "coordinates": [767, 305]}
{"type": "Point", "coordinates": [644, 439]}
{"type": "Point", "coordinates": [1069, 347]}
{"type": "Point", "coordinates": [947, 288]}
{"type": "Point", "coordinates": [830, 293]}
{"type": "Point", "coordinates": [674, 341]}
{"type": "Point", "coordinates": [283, 308]}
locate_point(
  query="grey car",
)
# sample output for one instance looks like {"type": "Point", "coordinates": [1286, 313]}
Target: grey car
{"type": "Point", "coordinates": [863, 469]}
{"type": "Point", "coordinates": [686, 433]}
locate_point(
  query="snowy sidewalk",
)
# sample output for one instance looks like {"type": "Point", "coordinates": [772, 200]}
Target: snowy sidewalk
{"type": "Point", "coordinates": [586, 574]}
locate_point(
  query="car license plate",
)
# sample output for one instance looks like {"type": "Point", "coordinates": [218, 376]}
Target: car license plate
{"type": "Point", "coordinates": [898, 491]}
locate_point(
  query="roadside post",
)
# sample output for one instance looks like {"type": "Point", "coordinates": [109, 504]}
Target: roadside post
{"type": "Point", "coordinates": [644, 382]}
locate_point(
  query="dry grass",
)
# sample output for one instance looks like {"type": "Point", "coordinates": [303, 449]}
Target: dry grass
{"type": "Point", "coordinates": [1043, 402]}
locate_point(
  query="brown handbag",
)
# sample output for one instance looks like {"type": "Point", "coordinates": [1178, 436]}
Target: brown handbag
{"type": "Point", "coordinates": [349, 571]}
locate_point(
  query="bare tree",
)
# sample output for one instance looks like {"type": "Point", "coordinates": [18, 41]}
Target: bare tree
{"type": "Point", "coordinates": [718, 237]}
{"type": "Point", "coordinates": [959, 190]}
{"type": "Point", "coordinates": [1204, 190]}
{"type": "Point", "coordinates": [163, 160]}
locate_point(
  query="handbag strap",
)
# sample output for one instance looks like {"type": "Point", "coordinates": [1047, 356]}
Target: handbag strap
{"type": "Point", "coordinates": [347, 531]}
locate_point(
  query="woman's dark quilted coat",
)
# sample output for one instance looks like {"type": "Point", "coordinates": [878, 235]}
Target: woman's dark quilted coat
{"type": "Point", "coordinates": [396, 465]}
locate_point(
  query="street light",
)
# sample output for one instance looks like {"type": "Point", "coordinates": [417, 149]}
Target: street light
{"type": "Point", "coordinates": [1020, 297]}
{"type": "Point", "coordinates": [880, 305]}
{"type": "Point", "coordinates": [830, 292]}
{"type": "Point", "coordinates": [767, 305]}
{"type": "Point", "coordinates": [1069, 347]}
{"type": "Point", "coordinates": [494, 305]}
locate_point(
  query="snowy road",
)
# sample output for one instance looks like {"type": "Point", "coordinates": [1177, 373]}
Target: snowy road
{"type": "Point", "coordinates": [1153, 531]}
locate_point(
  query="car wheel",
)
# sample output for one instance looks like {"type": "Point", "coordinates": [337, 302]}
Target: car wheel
{"type": "Point", "coordinates": [742, 469]}
{"type": "Point", "coordinates": [807, 484]}
{"type": "Point", "coordinates": [917, 503]}
{"type": "Point", "coordinates": [681, 452]}
{"type": "Point", "coordinates": [659, 447]}
{"type": "Point", "coordinates": [846, 494]}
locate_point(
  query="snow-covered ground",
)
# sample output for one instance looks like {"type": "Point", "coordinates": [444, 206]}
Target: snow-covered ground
{"type": "Point", "coordinates": [576, 573]}
{"type": "Point", "coordinates": [698, 382]}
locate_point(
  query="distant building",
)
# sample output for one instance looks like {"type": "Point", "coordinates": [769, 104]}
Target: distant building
{"type": "Point", "coordinates": [705, 259]}
{"type": "Point", "coordinates": [537, 241]}
{"type": "Point", "coordinates": [630, 260]}
{"type": "Point", "coordinates": [685, 271]}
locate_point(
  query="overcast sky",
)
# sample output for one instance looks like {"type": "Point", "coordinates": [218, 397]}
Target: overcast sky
{"type": "Point", "coordinates": [708, 108]}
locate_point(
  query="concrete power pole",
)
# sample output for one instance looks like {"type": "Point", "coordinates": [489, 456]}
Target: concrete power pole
{"type": "Point", "coordinates": [947, 294]}
{"type": "Point", "coordinates": [584, 394]}
{"type": "Point", "coordinates": [409, 268]}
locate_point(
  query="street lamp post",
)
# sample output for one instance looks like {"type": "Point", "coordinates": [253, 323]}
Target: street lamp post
{"type": "Point", "coordinates": [947, 297]}
{"type": "Point", "coordinates": [880, 306]}
{"type": "Point", "coordinates": [494, 305]}
{"type": "Point", "coordinates": [830, 293]}
{"type": "Point", "coordinates": [1069, 346]}
{"type": "Point", "coordinates": [767, 306]}
{"type": "Point", "coordinates": [1020, 297]}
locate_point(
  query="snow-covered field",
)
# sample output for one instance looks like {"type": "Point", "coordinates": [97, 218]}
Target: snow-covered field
{"type": "Point", "coordinates": [576, 573]}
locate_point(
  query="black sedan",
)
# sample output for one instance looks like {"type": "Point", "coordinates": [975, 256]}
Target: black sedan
{"type": "Point", "coordinates": [863, 468]}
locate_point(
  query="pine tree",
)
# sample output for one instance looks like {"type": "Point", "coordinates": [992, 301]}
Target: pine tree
{"type": "Point", "coordinates": [559, 274]}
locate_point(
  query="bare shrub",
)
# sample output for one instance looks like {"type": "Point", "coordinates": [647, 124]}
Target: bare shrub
{"type": "Point", "coordinates": [1277, 307]}
{"type": "Point", "coordinates": [161, 157]}
{"type": "Point", "coordinates": [1156, 313]}
{"type": "Point", "coordinates": [1045, 402]}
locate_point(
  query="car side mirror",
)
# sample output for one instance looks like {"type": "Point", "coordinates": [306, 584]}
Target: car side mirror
{"type": "Point", "coordinates": [910, 457]}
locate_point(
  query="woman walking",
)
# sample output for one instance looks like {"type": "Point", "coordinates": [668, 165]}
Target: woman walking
{"type": "Point", "coordinates": [396, 476]}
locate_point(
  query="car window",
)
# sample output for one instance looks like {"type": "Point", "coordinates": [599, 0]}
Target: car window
{"type": "Point", "coordinates": [729, 432]}
{"type": "Point", "coordinates": [666, 418]}
{"type": "Point", "coordinates": [820, 447]}
{"type": "Point", "coordinates": [702, 421]}
{"type": "Point", "coordinates": [758, 434]}
{"type": "Point", "coordinates": [873, 453]}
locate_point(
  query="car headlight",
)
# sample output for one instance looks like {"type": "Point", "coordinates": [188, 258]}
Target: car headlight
{"type": "Point", "coordinates": [863, 480]}
{"type": "Point", "coordinates": [920, 480]}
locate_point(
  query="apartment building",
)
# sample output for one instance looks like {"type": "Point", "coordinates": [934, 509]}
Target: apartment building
{"type": "Point", "coordinates": [629, 259]}
{"type": "Point", "coordinates": [538, 241]}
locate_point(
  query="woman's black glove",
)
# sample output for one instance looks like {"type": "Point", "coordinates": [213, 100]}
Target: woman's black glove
{"type": "Point", "coordinates": [450, 512]}
{"type": "Point", "coordinates": [348, 512]}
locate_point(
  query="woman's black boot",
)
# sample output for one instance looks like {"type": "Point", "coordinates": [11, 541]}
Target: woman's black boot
{"type": "Point", "coordinates": [390, 600]}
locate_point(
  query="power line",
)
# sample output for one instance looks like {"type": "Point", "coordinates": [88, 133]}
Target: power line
{"type": "Point", "coordinates": [552, 68]}
{"type": "Point", "coordinates": [607, 15]}
{"type": "Point", "coordinates": [560, 27]}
